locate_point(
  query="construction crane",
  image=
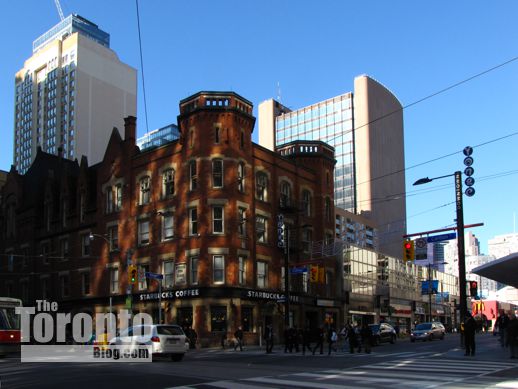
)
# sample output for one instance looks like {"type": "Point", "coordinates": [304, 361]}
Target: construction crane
{"type": "Point", "coordinates": [60, 11]}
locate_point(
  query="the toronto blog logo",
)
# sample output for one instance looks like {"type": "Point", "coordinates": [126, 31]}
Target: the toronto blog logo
{"type": "Point", "coordinates": [48, 335]}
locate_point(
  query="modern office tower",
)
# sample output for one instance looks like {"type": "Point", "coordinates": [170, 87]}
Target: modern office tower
{"type": "Point", "coordinates": [366, 129]}
{"type": "Point", "coordinates": [70, 94]}
{"type": "Point", "coordinates": [503, 245]}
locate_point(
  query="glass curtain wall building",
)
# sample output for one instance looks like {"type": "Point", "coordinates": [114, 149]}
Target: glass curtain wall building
{"type": "Point", "coordinates": [366, 129]}
{"type": "Point", "coordinates": [329, 121]}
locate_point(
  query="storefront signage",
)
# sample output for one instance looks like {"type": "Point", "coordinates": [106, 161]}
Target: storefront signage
{"type": "Point", "coordinates": [264, 295]}
{"type": "Point", "coordinates": [325, 303]}
{"type": "Point", "coordinates": [170, 294]}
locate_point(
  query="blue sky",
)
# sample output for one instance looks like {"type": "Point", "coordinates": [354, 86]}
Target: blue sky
{"type": "Point", "coordinates": [314, 49]}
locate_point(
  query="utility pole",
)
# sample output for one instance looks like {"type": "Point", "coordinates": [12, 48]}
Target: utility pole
{"type": "Point", "coordinates": [460, 246]}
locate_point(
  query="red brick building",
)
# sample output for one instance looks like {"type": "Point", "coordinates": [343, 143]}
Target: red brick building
{"type": "Point", "coordinates": [202, 211]}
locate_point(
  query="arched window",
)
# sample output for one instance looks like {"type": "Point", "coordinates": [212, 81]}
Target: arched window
{"type": "Point", "coordinates": [261, 186]}
{"type": "Point", "coordinates": [328, 209]}
{"type": "Point", "coordinates": [168, 183]}
{"type": "Point", "coordinates": [306, 202]}
{"type": "Point", "coordinates": [285, 199]}
{"type": "Point", "coordinates": [193, 175]}
{"type": "Point", "coordinates": [241, 177]}
{"type": "Point", "coordinates": [145, 190]}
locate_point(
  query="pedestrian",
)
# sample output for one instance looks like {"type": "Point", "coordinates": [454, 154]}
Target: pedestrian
{"type": "Point", "coordinates": [239, 339]}
{"type": "Point", "coordinates": [319, 336]}
{"type": "Point", "coordinates": [470, 327]}
{"type": "Point", "coordinates": [512, 336]}
{"type": "Point", "coordinates": [268, 338]}
{"type": "Point", "coordinates": [501, 323]}
{"type": "Point", "coordinates": [223, 339]}
{"type": "Point", "coordinates": [288, 345]}
{"type": "Point", "coordinates": [366, 335]}
{"type": "Point", "coordinates": [306, 340]}
{"type": "Point", "coordinates": [193, 338]}
{"type": "Point", "coordinates": [295, 338]}
{"type": "Point", "coordinates": [352, 338]}
{"type": "Point", "coordinates": [342, 336]}
{"type": "Point", "coordinates": [332, 337]}
{"type": "Point", "coordinates": [397, 329]}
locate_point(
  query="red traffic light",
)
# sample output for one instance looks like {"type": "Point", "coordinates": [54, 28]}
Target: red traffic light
{"type": "Point", "coordinates": [473, 284]}
{"type": "Point", "coordinates": [408, 245]}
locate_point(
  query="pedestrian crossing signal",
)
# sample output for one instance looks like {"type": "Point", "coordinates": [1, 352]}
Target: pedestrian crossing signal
{"type": "Point", "coordinates": [408, 250]}
{"type": "Point", "coordinates": [473, 288]}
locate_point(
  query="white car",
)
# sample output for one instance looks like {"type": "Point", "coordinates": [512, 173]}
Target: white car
{"type": "Point", "coordinates": [164, 339]}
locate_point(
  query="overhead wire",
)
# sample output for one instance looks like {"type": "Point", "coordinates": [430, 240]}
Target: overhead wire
{"type": "Point", "coordinates": [142, 66]}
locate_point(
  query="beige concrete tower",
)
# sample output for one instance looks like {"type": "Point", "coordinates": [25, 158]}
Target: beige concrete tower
{"type": "Point", "coordinates": [70, 94]}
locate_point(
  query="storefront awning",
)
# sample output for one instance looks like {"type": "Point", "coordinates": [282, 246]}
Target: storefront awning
{"type": "Point", "coordinates": [502, 270]}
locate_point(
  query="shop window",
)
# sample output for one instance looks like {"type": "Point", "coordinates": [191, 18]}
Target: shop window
{"type": "Point", "coordinates": [184, 317]}
{"type": "Point", "coordinates": [218, 318]}
{"type": "Point", "coordinates": [247, 319]}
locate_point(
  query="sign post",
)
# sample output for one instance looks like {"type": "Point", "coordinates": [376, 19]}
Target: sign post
{"type": "Point", "coordinates": [159, 278]}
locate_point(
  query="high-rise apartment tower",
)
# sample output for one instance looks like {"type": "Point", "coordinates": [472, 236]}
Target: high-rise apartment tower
{"type": "Point", "coordinates": [70, 94]}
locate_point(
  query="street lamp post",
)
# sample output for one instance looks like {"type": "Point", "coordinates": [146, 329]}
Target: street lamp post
{"type": "Point", "coordinates": [460, 237]}
{"type": "Point", "coordinates": [92, 237]}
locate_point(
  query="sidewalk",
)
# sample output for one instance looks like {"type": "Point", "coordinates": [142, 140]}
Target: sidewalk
{"type": "Point", "coordinates": [487, 348]}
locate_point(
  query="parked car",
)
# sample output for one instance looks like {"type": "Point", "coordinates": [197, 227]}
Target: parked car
{"type": "Point", "coordinates": [428, 331]}
{"type": "Point", "coordinates": [383, 332]}
{"type": "Point", "coordinates": [164, 339]}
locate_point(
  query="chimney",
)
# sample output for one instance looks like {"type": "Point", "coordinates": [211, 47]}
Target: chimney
{"type": "Point", "coordinates": [130, 130]}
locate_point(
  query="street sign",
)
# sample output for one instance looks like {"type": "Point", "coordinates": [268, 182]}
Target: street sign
{"type": "Point", "coordinates": [429, 287]}
{"type": "Point", "coordinates": [421, 247]}
{"type": "Point", "coordinates": [298, 270]}
{"type": "Point", "coordinates": [156, 276]}
{"type": "Point", "coordinates": [440, 238]}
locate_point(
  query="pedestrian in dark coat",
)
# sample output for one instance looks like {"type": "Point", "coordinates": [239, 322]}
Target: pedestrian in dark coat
{"type": "Point", "coordinates": [352, 338]}
{"type": "Point", "coordinates": [366, 335]}
{"type": "Point", "coordinates": [512, 336]}
{"type": "Point", "coordinates": [239, 339]}
{"type": "Point", "coordinates": [268, 338]}
{"type": "Point", "coordinates": [470, 327]}
{"type": "Point", "coordinates": [306, 340]}
{"type": "Point", "coordinates": [320, 340]}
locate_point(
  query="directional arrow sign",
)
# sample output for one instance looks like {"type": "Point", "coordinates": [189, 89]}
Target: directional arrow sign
{"type": "Point", "coordinates": [440, 238]}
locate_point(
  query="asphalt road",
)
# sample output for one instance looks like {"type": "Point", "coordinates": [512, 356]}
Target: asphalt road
{"type": "Point", "coordinates": [402, 365]}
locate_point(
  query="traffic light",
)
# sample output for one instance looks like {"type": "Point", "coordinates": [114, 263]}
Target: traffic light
{"type": "Point", "coordinates": [408, 250]}
{"type": "Point", "coordinates": [473, 288]}
{"type": "Point", "coordinates": [132, 275]}
{"type": "Point", "coordinates": [313, 273]}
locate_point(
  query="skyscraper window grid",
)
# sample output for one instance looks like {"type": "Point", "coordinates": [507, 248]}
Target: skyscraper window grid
{"type": "Point", "coordinates": [324, 121]}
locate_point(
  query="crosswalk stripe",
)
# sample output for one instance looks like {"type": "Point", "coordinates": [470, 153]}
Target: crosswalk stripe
{"type": "Point", "coordinates": [364, 378]}
{"type": "Point", "coordinates": [384, 373]}
{"type": "Point", "coordinates": [298, 384]}
{"type": "Point", "coordinates": [233, 385]}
